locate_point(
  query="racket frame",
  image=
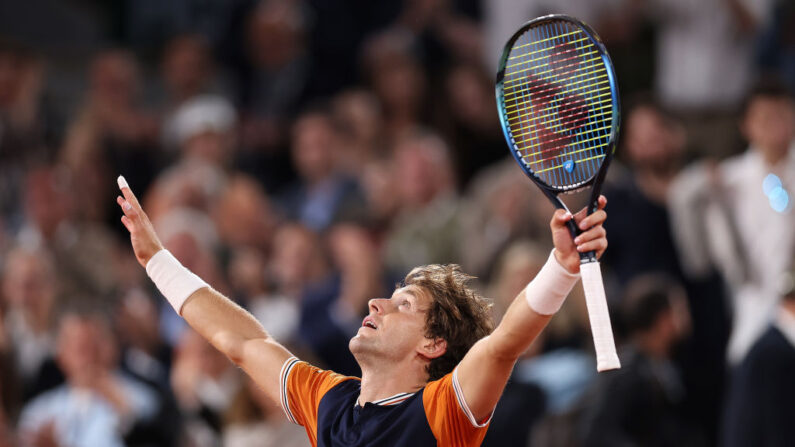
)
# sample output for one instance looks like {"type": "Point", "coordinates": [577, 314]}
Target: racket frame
{"type": "Point", "coordinates": [597, 179]}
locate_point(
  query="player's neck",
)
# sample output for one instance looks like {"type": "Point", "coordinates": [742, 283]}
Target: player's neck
{"type": "Point", "coordinates": [386, 380]}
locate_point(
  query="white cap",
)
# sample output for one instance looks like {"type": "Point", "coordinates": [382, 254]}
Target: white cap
{"type": "Point", "coordinates": [204, 113]}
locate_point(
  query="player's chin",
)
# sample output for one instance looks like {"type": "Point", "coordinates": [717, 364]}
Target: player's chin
{"type": "Point", "coordinates": [358, 341]}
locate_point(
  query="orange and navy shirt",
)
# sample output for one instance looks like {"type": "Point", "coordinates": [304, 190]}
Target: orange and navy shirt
{"type": "Point", "coordinates": [325, 403]}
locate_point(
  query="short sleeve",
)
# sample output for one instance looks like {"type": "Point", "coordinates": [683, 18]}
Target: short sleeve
{"type": "Point", "coordinates": [302, 387]}
{"type": "Point", "coordinates": [449, 415]}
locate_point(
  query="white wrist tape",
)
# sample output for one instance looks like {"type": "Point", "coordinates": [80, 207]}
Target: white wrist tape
{"type": "Point", "coordinates": [547, 291]}
{"type": "Point", "coordinates": [174, 281]}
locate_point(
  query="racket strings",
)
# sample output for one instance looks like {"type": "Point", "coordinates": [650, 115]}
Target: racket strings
{"type": "Point", "coordinates": [602, 76]}
{"type": "Point", "coordinates": [606, 111]}
{"type": "Point", "coordinates": [582, 39]}
{"type": "Point", "coordinates": [555, 107]}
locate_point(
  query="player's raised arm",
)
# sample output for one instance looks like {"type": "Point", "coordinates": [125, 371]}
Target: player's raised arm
{"type": "Point", "coordinates": [223, 323]}
{"type": "Point", "coordinates": [484, 371]}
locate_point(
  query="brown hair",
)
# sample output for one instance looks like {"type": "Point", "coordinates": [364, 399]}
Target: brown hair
{"type": "Point", "coordinates": [458, 314]}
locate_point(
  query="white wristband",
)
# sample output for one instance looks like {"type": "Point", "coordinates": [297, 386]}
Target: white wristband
{"type": "Point", "coordinates": [547, 291]}
{"type": "Point", "coordinates": [174, 281]}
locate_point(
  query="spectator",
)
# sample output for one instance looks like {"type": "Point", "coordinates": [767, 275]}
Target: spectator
{"type": "Point", "coordinates": [297, 260]}
{"type": "Point", "coordinates": [205, 384]}
{"type": "Point", "coordinates": [762, 397]}
{"type": "Point", "coordinates": [501, 208]}
{"type": "Point", "coordinates": [445, 31]}
{"type": "Point", "coordinates": [249, 280]}
{"type": "Point", "coordinates": [26, 123]}
{"type": "Point", "coordinates": [112, 131]}
{"type": "Point", "coordinates": [427, 229]}
{"type": "Point", "coordinates": [97, 405]}
{"type": "Point", "coordinates": [82, 249]}
{"type": "Point", "coordinates": [744, 201]}
{"type": "Point", "coordinates": [145, 355]}
{"type": "Point", "coordinates": [29, 293]}
{"type": "Point", "coordinates": [378, 180]}
{"type": "Point", "coordinates": [277, 70]}
{"type": "Point", "coordinates": [204, 127]}
{"type": "Point", "coordinates": [187, 71]}
{"type": "Point", "coordinates": [273, 76]}
{"type": "Point", "coordinates": [472, 128]}
{"type": "Point", "coordinates": [191, 184]}
{"type": "Point", "coordinates": [254, 420]}
{"type": "Point", "coordinates": [653, 148]}
{"type": "Point", "coordinates": [243, 215]}
{"type": "Point", "coordinates": [719, 35]}
{"type": "Point", "coordinates": [398, 80]}
{"type": "Point", "coordinates": [724, 74]}
{"type": "Point", "coordinates": [358, 115]}
{"type": "Point", "coordinates": [323, 194]}
{"type": "Point", "coordinates": [638, 404]}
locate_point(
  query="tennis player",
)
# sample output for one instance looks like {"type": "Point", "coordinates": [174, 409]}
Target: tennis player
{"type": "Point", "coordinates": [432, 369]}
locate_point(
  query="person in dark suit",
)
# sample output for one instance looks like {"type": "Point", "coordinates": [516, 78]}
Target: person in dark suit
{"type": "Point", "coordinates": [761, 401]}
{"type": "Point", "coordinates": [640, 404]}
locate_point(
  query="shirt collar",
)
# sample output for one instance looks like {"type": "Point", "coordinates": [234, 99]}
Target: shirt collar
{"type": "Point", "coordinates": [389, 401]}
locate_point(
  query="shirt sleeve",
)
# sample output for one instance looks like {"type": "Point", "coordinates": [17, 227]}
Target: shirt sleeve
{"type": "Point", "coordinates": [302, 387]}
{"type": "Point", "coordinates": [449, 416]}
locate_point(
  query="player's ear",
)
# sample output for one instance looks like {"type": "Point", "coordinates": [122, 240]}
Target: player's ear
{"type": "Point", "coordinates": [433, 347]}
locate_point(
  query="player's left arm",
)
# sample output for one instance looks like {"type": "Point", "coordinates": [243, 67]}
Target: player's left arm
{"type": "Point", "coordinates": [484, 371]}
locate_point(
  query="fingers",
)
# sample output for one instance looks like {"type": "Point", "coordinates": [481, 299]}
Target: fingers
{"type": "Point", "coordinates": [592, 220]}
{"type": "Point", "coordinates": [559, 219]}
{"type": "Point", "coordinates": [127, 209]}
{"type": "Point", "coordinates": [591, 240]}
{"type": "Point", "coordinates": [127, 223]}
{"type": "Point", "coordinates": [598, 217]}
{"type": "Point", "coordinates": [601, 202]}
{"type": "Point", "coordinates": [597, 245]}
{"type": "Point", "coordinates": [127, 192]}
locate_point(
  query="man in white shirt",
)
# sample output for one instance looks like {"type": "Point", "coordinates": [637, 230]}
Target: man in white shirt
{"type": "Point", "coordinates": [96, 406]}
{"type": "Point", "coordinates": [739, 215]}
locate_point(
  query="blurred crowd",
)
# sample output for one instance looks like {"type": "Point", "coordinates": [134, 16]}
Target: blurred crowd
{"type": "Point", "coordinates": [302, 156]}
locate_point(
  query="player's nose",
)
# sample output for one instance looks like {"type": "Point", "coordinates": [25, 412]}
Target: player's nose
{"type": "Point", "coordinates": [378, 305]}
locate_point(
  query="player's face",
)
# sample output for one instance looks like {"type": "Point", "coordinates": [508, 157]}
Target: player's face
{"type": "Point", "coordinates": [395, 327]}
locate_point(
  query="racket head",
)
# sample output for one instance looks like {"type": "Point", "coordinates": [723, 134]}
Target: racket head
{"type": "Point", "coordinates": [558, 103]}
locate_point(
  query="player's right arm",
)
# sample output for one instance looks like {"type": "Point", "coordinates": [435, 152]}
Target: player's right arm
{"type": "Point", "coordinates": [227, 326]}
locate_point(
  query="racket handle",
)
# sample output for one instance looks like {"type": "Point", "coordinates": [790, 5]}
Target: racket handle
{"type": "Point", "coordinates": [595, 300]}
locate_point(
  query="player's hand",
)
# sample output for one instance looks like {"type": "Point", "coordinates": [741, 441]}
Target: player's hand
{"type": "Point", "coordinates": [592, 238]}
{"type": "Point", "coordinates": [142, 234]}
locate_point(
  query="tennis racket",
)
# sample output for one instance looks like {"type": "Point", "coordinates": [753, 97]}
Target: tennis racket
{"type": "Point", "coordinates": [558, 104]}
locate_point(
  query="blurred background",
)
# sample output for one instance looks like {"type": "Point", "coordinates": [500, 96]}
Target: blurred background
{"type": "Point", "coordinates": [302, 155]}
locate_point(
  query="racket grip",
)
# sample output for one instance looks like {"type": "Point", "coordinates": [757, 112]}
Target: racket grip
{"type": "Point", "coordinates": [595, 300]}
